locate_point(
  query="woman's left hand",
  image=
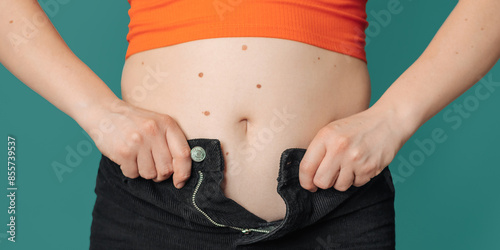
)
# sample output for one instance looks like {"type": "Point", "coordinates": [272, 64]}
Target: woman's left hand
{"type": "Point", "coordinates": [351, 151]}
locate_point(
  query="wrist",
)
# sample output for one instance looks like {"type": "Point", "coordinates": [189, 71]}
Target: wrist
{"type": "Point", "coordinates": [90, 115]}
{"type": "Point", "coordinates": [401, 119]}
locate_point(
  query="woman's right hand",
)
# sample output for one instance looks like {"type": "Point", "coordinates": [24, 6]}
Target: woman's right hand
{"type": "Point", "coordinates": [144, 143]}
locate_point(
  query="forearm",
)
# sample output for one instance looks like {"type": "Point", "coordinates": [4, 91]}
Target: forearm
{"type": "Point", "coordinates": [34, 52]}
{"type": "Point", "coordinates": [465, 48]}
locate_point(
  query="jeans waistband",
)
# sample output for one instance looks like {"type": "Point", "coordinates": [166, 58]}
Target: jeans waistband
{"type": "Point", "coordinates": [202, 202]}
{"type": "Point", "coordinates": [302, 207]}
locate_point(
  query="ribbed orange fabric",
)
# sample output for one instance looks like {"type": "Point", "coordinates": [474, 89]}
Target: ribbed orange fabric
{"type": "Point", "coordinates": [336, 25]}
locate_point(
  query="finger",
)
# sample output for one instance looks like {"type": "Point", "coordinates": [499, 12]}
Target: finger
{"type": "Point", "coordinates": [181, 155]}
{"type": "Point", "coordinates": [126, 157]}
{"type": "Point", "coordinates": [310, 163]}
{"type": "Point", "coordinates": [146, 164]}
{"type": "Point", "coordinates": [360, 180]}
{"type": "Point", "coordinates": [345, 179]}
{"type": "Point", "coordinates": [327, 172]}
{"type": "Point", "coordinates": [129, 168]}
{"type": "Point", "coordinates": [162, 159]}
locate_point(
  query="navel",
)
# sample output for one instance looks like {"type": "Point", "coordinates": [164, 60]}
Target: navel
{"type": "Point", "coordinates": [245, 121]}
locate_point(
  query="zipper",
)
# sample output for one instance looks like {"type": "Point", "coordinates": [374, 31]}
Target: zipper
{"type": "Point", "coordinates": [243, 230]}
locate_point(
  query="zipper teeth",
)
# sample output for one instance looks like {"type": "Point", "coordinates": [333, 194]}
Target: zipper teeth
{"type": "Point", "coordinates": [243, 230]}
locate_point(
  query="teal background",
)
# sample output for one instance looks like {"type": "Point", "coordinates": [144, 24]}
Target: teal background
{"type": "Point", "coordinates": [451, 201]}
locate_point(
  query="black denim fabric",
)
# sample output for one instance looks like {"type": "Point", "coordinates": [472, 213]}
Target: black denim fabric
{"type": "Point", "coordinates": [142, 214]}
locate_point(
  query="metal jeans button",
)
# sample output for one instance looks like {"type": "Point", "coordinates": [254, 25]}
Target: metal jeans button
{"type": "Point", "coordinates": [198, 154]}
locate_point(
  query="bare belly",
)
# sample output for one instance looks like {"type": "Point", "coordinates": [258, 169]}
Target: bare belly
{"type": "Point", "coordinates": [258, 96]}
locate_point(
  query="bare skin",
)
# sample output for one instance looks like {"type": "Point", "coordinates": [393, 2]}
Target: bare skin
{"type": "Point", "coordinates": [252, 94]}
{"type": "Point", "coordinates": [351, 151]}
{"type": "Point", "coordinates": [217, 95]}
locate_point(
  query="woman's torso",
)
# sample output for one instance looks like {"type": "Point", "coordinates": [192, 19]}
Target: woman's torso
{"type": "Point", "coordinates": [258, 96]}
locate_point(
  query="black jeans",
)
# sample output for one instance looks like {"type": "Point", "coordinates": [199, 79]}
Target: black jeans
{"type": "Point", "coordinates": [142, 214]}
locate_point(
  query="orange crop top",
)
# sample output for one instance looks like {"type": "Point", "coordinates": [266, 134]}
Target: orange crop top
{"type": "Point", "coordinates": [336, 25]}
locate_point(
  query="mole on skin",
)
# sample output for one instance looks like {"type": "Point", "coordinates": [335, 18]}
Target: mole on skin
{"type": "Point", "coordinates": [11, 21]}
{"type": "Point", "coordinates": [206, 113]}
{"type": "Point", "coordinates": [142, 63]}
{"type": "Point", "coordinates": [200, 74]}
{"type": "Point", "coordinates": [244, 47]}
{"type": "Point", "coordinates": [319, 58]}
{"type": "Point", "coordinates": [259, 86]}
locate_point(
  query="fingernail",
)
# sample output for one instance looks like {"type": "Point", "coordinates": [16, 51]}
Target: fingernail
{"type": "Point", "coordinates": [180, 185]}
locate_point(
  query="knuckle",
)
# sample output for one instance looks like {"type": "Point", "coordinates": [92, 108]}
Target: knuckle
{"type": "Point", "coordinates": [184, 153]}
{"type": "Point", "coordinates": [168, 121]}
{"type": "Point", "coordinates": [150, 127]}
{"type": "Point", "coordinates": [361, 182]}
{"type": "Point", "coordinates": [147, 174]}
{"type": "Point", "coordinates": [341, 187]}
{"type": "Point", "coordinates": [342, 142]}
{"type": "Point", "coordinates": [307, 167]}
{"type": "Point", "coordinates": [135, 138]}
{"type": "Point", "coordinates": [323, 184]}
{"type": "Point", "coordinates": [306, 182]}
{"type": "Point", "coordinates": [166, 171]}
{"type": "Point", "coordinates": [124, 152]}
{"type": "Point", "coordinates": [130, 174]}
{"type": "Point", "coordinates": [306, 185]}
{"type": "Point", "coordinates": [324, 132]}
{"type": "Point", "coordinates": [355, 154]}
